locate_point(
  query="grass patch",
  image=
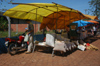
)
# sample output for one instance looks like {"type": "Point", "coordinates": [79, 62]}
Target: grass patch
{"type": "Point", "coordinates": [5, 33]}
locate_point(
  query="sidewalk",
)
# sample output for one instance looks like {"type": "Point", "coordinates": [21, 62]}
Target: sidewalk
{"type": "Point", "coordinates": [77, 58]}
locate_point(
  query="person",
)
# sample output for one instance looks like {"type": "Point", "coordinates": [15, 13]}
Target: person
{"type": "Point", "coordinates": [30, 33]}
{"type": "Point", "coordinates": [83, 29]}
{"type": "Point", "coordinates": [68, 31]}
{"type": "Point", "coordinates": [92, 31]}
{"type": "Point", "coordinates": [95, 30]}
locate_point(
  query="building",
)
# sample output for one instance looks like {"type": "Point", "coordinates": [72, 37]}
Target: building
{"type": "Point", "coordinates": [19, 25]}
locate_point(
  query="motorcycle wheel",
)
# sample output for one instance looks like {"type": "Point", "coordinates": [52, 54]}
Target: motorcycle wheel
{"type": "Point", "coordinates": [11, 49]}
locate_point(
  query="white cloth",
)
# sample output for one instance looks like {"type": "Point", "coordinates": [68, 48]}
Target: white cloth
{"type": "Point", "coordinates": [81, 47]}
{"type": "Point", "coordinates": [42, 43]}
{"type": "Point", "coordinates": [83, 28]}
{"type": "Point", "coordinates": [59, 46]}
{"type": "Point", "coordinates": [30, 27]}
{"type": "Point", "coordinates": [94, 28]}
{"type": "Point", "coordinates": [50, 40]}
{"type": "Point", "coordinates": [26, 38]}
{"type": "Point", "coordinates": [30, 44]}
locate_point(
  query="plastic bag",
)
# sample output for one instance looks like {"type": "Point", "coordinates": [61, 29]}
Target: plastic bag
{"type": "Point", "coordinates": [26, 38]}
{"type": "Point", "coordinates": [81, 47]}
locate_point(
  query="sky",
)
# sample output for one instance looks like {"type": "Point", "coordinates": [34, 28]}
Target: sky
{"type": "Point", "coordinates": [79, 5]}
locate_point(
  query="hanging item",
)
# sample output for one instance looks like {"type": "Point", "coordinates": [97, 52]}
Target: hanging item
{"type": "Point", "coordinates": [26, 38]}
{"type": "Point", "coordinates": [81, 47]}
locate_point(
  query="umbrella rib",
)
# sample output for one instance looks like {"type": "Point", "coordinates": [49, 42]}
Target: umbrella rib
{"type": "Point", "coordinates": [62, 5]}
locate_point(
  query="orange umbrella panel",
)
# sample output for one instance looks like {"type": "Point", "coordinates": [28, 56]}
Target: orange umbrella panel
{"type": "Point", "coordinates": [61, 20]}
{"type": "Point", "coordinates": [92, 21]}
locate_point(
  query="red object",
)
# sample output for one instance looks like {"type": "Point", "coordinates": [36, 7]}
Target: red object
{"type": "Point", "coordinates": [93, 21]}
{"type": "Point", "coordinates": [44, 39]}
{"type": "Point", "coordinates": [80, 27]}
{"type": "Point", "coordinates": [21, 38]}
{"type": "Point", "coordinates": [8, 39]}
{"type": "Point", "coordinates": [87, 44]}
{"type": "Point", "coordinates": [28, 42]}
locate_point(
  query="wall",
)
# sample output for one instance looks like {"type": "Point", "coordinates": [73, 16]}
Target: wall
{"type": "Point", "coordinates": [21, 27]}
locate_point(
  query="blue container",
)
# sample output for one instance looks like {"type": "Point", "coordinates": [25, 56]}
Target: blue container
{"type": "Point", "coordinates": [3, 48]}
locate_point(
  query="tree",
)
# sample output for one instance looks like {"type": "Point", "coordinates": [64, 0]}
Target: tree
{"type": "Point", "coordinates": [95, 7]}
{"type": "Point", "coordinates": [7, 1]}
{"type": "Point", "coordinates": [3, 24]}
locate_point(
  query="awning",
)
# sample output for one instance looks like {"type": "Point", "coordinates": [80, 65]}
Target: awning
{"type": "Point", "coordinates": [82, 23]}
{"type": "Point", "coordinates": [91, 17]}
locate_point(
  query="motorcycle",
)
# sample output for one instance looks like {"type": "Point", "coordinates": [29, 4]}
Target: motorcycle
{"type": "Point", "coordinates": [16, 44]}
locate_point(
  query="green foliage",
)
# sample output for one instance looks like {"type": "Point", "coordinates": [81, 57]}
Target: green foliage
{"type": "Point", "coordinates": [95, 7]}
{"type": "Point", "coordinates": [5, 34]}
{"type": "Point", "coordinates": [41, 32]}
{"type": "Point", "coordinates": [7, 1]}
{"type": "Point", "coordinates": [3, 24]}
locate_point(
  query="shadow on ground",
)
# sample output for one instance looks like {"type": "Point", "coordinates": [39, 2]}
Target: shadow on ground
{"type": "Point", "coordinates": [91, 39]}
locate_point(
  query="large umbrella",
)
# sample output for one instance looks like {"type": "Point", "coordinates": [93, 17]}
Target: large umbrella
{"type": "Point", "coordinates": [82, 23]}
{"type": "Point", "coordinates": [52, 15]}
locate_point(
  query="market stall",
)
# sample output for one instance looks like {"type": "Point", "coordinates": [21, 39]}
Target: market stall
{"type": "Point", "coordinates": [82, 31]}
{"type": "Point", "coordinates": [51, 15]}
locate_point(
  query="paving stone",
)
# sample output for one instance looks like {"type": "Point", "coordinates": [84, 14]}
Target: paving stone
{"type": "Point", "coordinates": [38, 58]}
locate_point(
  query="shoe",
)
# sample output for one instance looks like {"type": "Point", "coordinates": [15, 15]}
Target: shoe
{"type": "Point", "coordinates": [28, 52]}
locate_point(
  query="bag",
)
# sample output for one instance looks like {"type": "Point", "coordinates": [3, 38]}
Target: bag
{"type": "Point", "coordinates": [81, 47]}
{"type": "Point", "coordinates": [59, 46]}
{"type": "Point", "coordinates": [26, 38]}
{"type": "Point", "coordinates": [44, 39]}
{"type": "Point", "coordinates": [50, 38]}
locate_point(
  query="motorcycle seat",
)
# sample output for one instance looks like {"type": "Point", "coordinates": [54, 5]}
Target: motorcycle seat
{"type": "Point", "coordinates": [15, 39]}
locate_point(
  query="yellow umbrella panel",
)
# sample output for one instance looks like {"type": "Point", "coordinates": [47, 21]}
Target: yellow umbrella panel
{"type": "Point", "coordinates": [91, 17]}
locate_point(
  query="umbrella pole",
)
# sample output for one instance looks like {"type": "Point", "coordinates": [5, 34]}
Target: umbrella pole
{"type": "Point", "coordinates": [9, 26]}
{"type": "Point", "coordinates": [34, 38]}
{"type": "Point", "coordinates": [35, 24]}
{"type": "Point", "coordinates": [57, 17]}
{"type": "Point", "coordinates": [69, 32]}
{"type": "Point", "coordinates": [79, 30]}
{"type": "Point", "coordinates": [53, 20]}
{"type": "Point", "coordinates": [56, 29]}
{"type": "Point", "coordinates": [64, 23]}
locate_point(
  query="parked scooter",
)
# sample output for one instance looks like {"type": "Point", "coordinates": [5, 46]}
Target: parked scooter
{"type": "Point", "coordinates": [15, 44]}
